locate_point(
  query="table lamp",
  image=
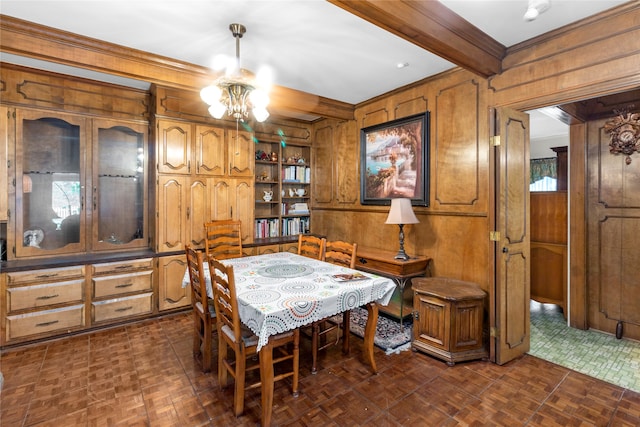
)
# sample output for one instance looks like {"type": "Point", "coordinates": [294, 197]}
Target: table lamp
{"type": "Point", "coordinates": [401, 213]}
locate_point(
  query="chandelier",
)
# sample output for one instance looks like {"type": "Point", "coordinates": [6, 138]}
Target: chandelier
{"type": "Point", "coordinates": [235, 92]}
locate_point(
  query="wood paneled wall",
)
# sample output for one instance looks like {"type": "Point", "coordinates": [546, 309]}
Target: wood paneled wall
{"type": "Point", "coordinates": [453, 229]}
{"type": "Point", "coordinates": [613, 212]}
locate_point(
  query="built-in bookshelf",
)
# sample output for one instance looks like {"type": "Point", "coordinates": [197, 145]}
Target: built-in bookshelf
{"type": "Point", "coordinates": [282, 190]}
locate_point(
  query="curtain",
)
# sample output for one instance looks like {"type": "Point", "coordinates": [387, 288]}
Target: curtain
{"type": "Point", "coordinates": [543, 167]}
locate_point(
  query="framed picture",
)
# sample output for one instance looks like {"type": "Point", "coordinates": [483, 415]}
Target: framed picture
{"type": "Point", "coordinates": [394, 161]}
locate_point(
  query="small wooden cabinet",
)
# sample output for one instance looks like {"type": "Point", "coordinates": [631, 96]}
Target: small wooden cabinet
{"type": "Point", "coordinates": [449, 319]}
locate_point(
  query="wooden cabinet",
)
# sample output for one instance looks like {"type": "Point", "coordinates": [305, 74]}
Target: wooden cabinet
{"type": "Point", "coordinates": [203, 175]}
{"type": "Point", "coordinates": [282, 189]}
{"type": "Point", "coordinates": [171, 294]}
{"type": "Point", "coordinates": [121, 290]}
{"type": "Point", "coordinates": [185, 148]}
{"type": "Point", "coordinates": [43, 302]}
{"type": "Point", "coordinates": [188, 148]}
{"type": "Point", "coordinates": [78, 177]}
{"type": "Point", "coordinates": [449, 319]}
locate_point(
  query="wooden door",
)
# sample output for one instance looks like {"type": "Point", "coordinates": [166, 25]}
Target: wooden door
{"type": "Point", "coordinates": [51, 151]}
{"type": "Point", "coordinates": [197, 212]}
{"type": "Point", "coordinates": [172, 205]}
{"type": "Point", "coordinates": [209, 156]}
{"type": "Point", "coordinates": [171, 294]}
{"type": "Point", "coordinates": [174, 147]}
{"type": "Point", "coordinates": [242, 206]}
{"type": "Point", "coordinates": [220, 199]}
{"type": "Point", "coordinates": [510, 303]}
{"type": "Point", "coordinates": [241, 153]}
{"type": "Point", "coordinates": [233, 199]}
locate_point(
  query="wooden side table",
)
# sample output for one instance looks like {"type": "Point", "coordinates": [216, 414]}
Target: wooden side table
{"type": "Point", "coordinates": [449, 318]}
{"type": "Point", "coordinates": [383, 263]}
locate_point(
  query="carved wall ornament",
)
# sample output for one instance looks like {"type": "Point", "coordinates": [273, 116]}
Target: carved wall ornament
{"type": "Point", "coordinates": [625, 133]}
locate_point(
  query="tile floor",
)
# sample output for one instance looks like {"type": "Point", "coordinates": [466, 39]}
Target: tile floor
{"type": "Point", "coordinates": [144, 374]}
{"type": "Point", "coordinates": [593, 353]}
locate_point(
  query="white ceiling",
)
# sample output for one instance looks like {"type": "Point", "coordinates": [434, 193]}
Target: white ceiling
{"type": "Point", "coordinates": [310, 45]}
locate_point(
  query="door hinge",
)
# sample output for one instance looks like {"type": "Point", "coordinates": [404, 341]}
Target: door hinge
{"type": "Point", "coordinates": [494, 332]}
{"type": "Point", "coordinates": [494, 236]}
{"type": "Point", "coordinates": [415, 314]}
{"type": "Point", "coordinates": [495, 140]}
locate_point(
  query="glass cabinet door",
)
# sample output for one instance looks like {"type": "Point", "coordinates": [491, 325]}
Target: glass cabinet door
{"type": "Point", "coordinates": [49, 183]}
{"type": "Point", "coordinates": [118, 201]}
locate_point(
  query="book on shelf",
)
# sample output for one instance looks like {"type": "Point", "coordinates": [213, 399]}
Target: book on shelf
{"type": "Point", "coordinates": [299, 209]}
{"type": "Point", "coordinates": [296, 174]}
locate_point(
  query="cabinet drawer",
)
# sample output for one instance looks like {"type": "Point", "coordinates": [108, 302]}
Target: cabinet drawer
{"type": "Point", "coordinates": [122, 283]}
{"type": "Point", "coordinates": [23, 297]}
{"type": "Point", "coordinates": [48, 274]}
{"type": "Point", "coordinates": [122, 266]}
{"type": "Point", "coordinates": [122, 307]}
{"type": "Point", "coordinates": [65, 318]}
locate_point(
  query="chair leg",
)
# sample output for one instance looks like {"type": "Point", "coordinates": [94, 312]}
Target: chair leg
{"type": "Point", "coordinates": [238, 395]}
{"type": "Point", "coordinates": [223, 374]}
{"type": "Point", "coordinates": [315, 333]}
{"type": "Point", "coordinates": [206, 343]}
{"type": "Point", "coordinates": [196, 333]}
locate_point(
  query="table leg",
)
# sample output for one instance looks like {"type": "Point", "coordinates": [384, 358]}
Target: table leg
{"type": "Point", "coordinates": [266, 378]}
{"type": "Point", "coordinates": [370, 333]}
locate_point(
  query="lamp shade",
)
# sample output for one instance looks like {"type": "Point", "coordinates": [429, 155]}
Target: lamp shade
{"type": "Point", "coordinates": [401, 212]}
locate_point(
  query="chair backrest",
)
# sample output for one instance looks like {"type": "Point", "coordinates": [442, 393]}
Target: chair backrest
{"type": "Point", "coordinates": [311, 246]}
{"type": "Point", "coordinates": [223, 239]}
{"type": "Point", "coordinates": [197, 279]}
{"type": "Point", "coordinates": [341, 253]}
{"type": "Point", "coordinates": [224, 297]}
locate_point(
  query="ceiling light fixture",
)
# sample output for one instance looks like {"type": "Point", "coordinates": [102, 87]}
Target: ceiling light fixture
{"type": "Point", "coordinates": [535, 8]}
{"type": "Point", "coordinates": [236, 92]}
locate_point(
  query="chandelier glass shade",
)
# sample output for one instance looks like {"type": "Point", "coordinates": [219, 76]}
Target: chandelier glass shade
{"type": "Point", "coordinates": [236, 92]}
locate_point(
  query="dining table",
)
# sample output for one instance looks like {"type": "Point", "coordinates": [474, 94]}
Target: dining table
{"type": "Point", "coordinates": [283, 291]}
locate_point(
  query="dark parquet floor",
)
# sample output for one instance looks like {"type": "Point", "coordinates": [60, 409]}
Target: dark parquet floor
{"type": "Point", "coordinates": [144, 374]}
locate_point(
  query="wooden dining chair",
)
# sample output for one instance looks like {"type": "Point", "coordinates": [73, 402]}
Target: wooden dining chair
{"type": "Point", "coordinates": [204, 314]}
{"type": "Point", "coordinates": [339, 253]}
{"type": "Point", "coordinates": [223, 239]}
{"type": "Point", "coordinates": [311, 246]}
{"type": "Point", "coordinates": [235, 336]}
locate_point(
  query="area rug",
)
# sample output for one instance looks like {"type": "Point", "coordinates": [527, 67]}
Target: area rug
{"type": "Point", "coordinates": [389, 336]}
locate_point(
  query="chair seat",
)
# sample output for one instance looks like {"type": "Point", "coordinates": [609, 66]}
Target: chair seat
{"type": "Point", "coordinates": [212, 309]}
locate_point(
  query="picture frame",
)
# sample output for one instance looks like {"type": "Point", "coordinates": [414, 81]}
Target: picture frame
{"type": "Point", "coordinates": [394, 161]}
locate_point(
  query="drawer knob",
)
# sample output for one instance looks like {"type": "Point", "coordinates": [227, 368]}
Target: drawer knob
{"type": "Point", "coordinates": [124, 309]}
{"type": "Point", "coordinates": [124, 285]}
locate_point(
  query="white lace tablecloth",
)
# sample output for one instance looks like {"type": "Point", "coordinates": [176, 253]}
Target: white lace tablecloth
{"type": "Point", "coordinates": [282, 291]}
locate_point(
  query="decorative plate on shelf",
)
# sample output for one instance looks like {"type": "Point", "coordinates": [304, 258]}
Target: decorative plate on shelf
{"type": "Point", "coordinates": [33, 237]}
